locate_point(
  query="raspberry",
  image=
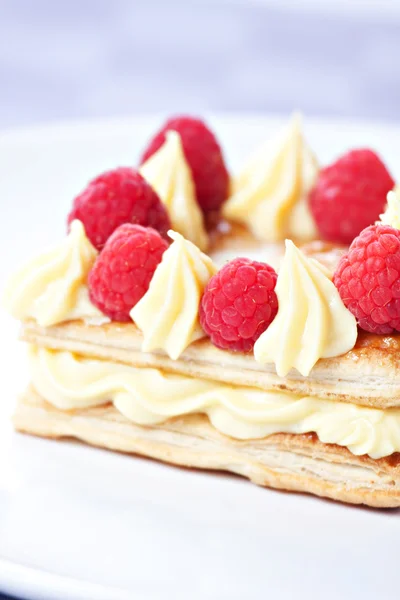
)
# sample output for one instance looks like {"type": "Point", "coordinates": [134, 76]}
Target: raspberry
{"type": "Point", "coordinates": [349, 195]}
{"type": "Point", "coordinates": [238, 304]}
{"type": "Point", "coordinates": [123, 270]}
{"type": "Point", "coordinates": [117, 197]}
{"type": "Point", "coordinates": [368, 279]}
{"type": "Point", "coordinates": [204, 156]}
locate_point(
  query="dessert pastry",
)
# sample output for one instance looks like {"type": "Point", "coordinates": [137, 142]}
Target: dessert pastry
{"type": "Point", "coordinates": [282, 369]}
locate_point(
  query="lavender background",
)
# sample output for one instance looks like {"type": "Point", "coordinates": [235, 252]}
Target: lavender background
{"type": "Point", "coordinates": [85, 58]}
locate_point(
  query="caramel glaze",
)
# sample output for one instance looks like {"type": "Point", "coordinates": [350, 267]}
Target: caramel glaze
{"type": "Point", "coordinates": [377, 342]}
{"type": "Point", "coordinates": [231, 236]}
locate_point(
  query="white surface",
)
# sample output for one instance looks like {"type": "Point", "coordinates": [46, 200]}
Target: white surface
{"type": "Point", "coordinates": [77, 522]}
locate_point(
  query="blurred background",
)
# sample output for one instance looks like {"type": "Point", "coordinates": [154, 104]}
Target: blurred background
{"type": "Point", "coordinates": [91, 58]}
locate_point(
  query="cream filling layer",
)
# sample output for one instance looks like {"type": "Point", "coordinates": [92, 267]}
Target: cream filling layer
{"type": "Point", "coordinates": [150, 396]}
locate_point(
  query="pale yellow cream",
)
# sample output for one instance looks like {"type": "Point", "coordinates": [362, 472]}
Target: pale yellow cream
{"type": "Point", "coordinates": [312, 322]}
{"type": "Point", "coordinates": [168, 312]}
{"type": "Point", "coordinates": [391, 216]}
{"type": "Point", "coordinates": [270, 195]}
{"type": "Point", "coordinates": [149, 396]}
{"type": "Point", "coordinates": [51, 288]}
{"type": "Point", "coordinates": [169, 174]}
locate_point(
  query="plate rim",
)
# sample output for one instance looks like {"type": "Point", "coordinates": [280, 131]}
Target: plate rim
{"type": "Point", "coordinates": [36, 583]}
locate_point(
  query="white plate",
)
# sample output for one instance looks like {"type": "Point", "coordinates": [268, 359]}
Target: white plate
{"type": "Point", "coordinates": [77, 522]}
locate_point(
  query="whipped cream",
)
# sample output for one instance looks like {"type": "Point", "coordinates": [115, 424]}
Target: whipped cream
{"type": "Point", "coordinates": [270, 195]}
{"type": "Point", "coordinates": [169, 174]}
{"type": "Point", "coordinates": [312, 322]}
{"type": "Point", "coordinates": [391, 216]}
{"type": "Point", "coordinates": [149, 396]}
{"type": "Point", "coordinates": [168, 312]}
{"type": "Point", "coordinates": [52, 287]}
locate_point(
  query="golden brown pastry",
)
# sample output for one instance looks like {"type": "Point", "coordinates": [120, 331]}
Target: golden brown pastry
{"type": "Point", "coordinates": [298, 463]}
{"type": "Point", "coordinates": [368, 375]}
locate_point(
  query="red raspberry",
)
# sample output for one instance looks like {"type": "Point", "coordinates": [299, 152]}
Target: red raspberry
{"type": "Point", "coordinates": [368, 279]}
{"type": "Point", "coordinates": [123, 270]}
{"type": "Point", "coordinates": [117, 197]}
{"type": "Point", "coordinates": [204, 156]}
{"type": "Point", "coordinates": [238, 304]}
{"type": "Point", "coordinates": [349, 195]}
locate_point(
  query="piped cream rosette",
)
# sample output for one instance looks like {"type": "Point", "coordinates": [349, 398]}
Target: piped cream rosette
{"type": "Point", "coordinates": [169, 174]}
{"type": "Point", "coordinates": [168, 314]}
{"type": "Point", "coordinates": [270, 195]}
{"type": "Point", "coordinates": [312, 322]}
{"type": "Point", "coordinates": [51, 288]}
{"type": "Point", "coordinates": [391, 216]}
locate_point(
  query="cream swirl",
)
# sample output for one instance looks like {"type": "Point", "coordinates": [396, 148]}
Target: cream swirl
{"type": "Point", "coordinates": [149, 396]}
{"type": "Point", "coordinates": [312, 322]}
{"type": "Point", "coordinates": [270, 195]}
{"type": "Point", "coordinates": [168, 312]}
{"type": "Point", "coordinates": [169, 174]}
{"type": "Point", "coordinates": [51, 288]}
{"type": "Point", "coordinates": [391, 216]}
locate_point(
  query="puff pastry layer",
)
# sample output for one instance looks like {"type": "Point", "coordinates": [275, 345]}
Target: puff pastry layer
{"type": "Point", "coordinates": [368, 375]}
{"type": "Point", "coordinates": [298, 463]}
